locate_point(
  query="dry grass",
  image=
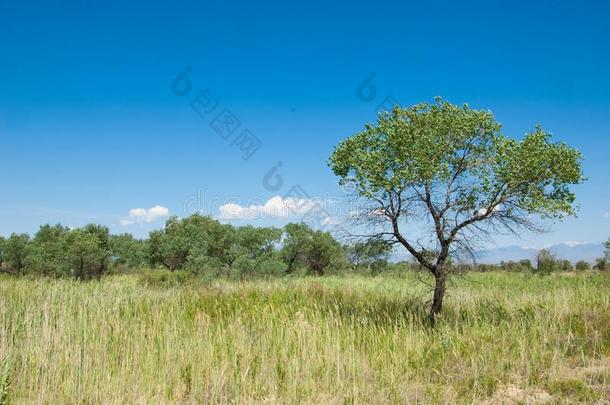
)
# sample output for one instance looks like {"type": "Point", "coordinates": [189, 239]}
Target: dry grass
{"type": "Point", "coordinates": [512, 338]}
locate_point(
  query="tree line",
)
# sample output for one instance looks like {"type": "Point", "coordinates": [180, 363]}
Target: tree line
{"type": "Point", "coordinates": [198, 244]}
{"type": "Point", "coordinates": [202, 245]}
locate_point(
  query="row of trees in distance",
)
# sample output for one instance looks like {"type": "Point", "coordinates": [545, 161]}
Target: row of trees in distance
{"type": "Point", "coordinates": [197, 244]}
{"type": "Point", "coordinates": [200, 244]}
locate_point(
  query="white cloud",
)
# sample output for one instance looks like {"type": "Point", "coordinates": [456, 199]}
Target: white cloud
{"type": "Point", "coordinates": [139, 215]}
{"type": "Point", "coordinates": [607, 214]}
{"type": "Point", "coordinates": [573, 243]}
{"type": "Point", "coordinates": [275, 207]}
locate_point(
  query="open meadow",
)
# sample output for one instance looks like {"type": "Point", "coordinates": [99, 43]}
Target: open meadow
{"type": "Point", "coordinates": [502, 338]}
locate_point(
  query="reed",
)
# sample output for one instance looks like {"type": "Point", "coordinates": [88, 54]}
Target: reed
{"type": "Point", "coordinates": [305, 340]}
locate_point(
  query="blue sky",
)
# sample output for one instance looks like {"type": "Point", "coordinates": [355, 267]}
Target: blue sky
{"type": "Point", "coordinates": [91, 129]}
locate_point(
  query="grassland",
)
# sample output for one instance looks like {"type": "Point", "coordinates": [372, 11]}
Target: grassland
{"type": "Point", "coordinates": [503, 337]}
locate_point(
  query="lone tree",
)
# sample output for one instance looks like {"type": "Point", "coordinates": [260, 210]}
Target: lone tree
{"type": "Point", "coordinates": [450, 167]}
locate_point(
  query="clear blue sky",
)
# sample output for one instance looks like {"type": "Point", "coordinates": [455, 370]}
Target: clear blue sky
{"type": "Point", "coordinates": [90, 128]}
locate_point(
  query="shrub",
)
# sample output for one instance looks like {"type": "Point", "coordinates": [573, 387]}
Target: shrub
{"type": "Point", "coordinates": [48, 253]}
{"type": "Point", "coordinates": [545, 262]}
{"type": "Point", "coordinates": [243, 267]}
{"type": "Point", "coordinates": [201, 264]}
{"type": "Point", "coordinates": [16, 251]}
{"type": "Point", "coordinates": [324, 253]}
{"type": "Point", "coordinates": [164, 278]}
{"type": "Point", "coordinates": [582, 265]}
{"type": "Point", "coordinates": [371, 255]}
{"type": "Point", "coordinates": [296, 244]}
{"type": "Point", "coordinates": [272, 267]}
{"type": "Point", "coordinates": [565, 265]}
{"type": "Point", "coordinates": [601, 264]}
{"type": "Point", "coordinates": [88, 251]}
{"type": "Point", "coordinates": [129, 251]}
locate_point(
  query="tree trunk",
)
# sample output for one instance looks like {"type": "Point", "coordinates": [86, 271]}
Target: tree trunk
{"type": "Point", "coordinates": [439, 293]}
{"type": "Point", "coordinates": [291, 262]}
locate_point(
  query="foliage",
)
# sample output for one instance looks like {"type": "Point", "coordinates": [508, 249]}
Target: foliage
{"type": "Point", "coordinates": [522, 265]}
{"type": "Point", "coordinates": [183, 239]}
{"type": "Point", "coordinates": [564, 265]}
{"type": "Point", "coordinates": [271, 267]}
{"type": "Point", "coordinates": [582, 265]}
{"type": "Point", "coordinates": [48, 252]}
{"type": "Point", "coordinates": [246, 267]}
{"type": "Point", "coordinates": [16, 251]}
{"type": "Point", "coordinates": [324, 253]}
{"type": "Point", "coordinates": [545, 262]}
{"type": "Point", "coordinates": [297, 242]}
{"type": "Point", "coordinates": [88, 251]}
{"type": "Point", "coordinates": [202, 244]}
{"type": "Point", "coordinates": [601, 264]}
{"type": "Point", "coordinates": [129, 251]}
{"type": "Point", "coordinates": [164, 278]}
{"type": "Point", "coordinates": [372, 255]}
{"type": "Point", "coordinates": [57, 251]}
{"type": "Point", "coordinates": [254, 243]}
{"type": "Point", "coordinates": [450, 166]}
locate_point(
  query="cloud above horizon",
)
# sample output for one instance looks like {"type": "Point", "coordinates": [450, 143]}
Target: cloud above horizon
{"type": "Point", "coordinates": [275, 207]}
{"type": "Point", "coordinates": [142, 215]}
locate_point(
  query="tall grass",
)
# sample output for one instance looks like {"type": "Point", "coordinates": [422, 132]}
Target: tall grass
{"type": "Point", "coordinates": [309, 340]}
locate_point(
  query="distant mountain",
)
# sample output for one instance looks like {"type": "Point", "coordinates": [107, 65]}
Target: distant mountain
{"type": "Point", "coordinates": [572, 252]}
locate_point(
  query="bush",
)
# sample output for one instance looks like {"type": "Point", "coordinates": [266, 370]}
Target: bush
{"type": "Point", "coordinates": [565, 265]}
{"type": "Point", "coordinates": [272, 267]}
{"type": "Point", "coordinates": [545, 262]}
{"type": "Point", "coordinates": [48, 253]}
{"type": "Point", "coordinates": [582, 265]}
{"type": "Point", "coordinates": [296, 244]}
{"type": "Point", "coordinates": [204, 265]}
{"type": "Point", "coordinates": [324, 254]}
{"type": "Point", "coordinates": [16, 252]}
{"type": "Point", "coordinates": [601, 264]}
{"type": "Point", "coordinates": [526, 264]}
{"type": "Point", "coordinates": [88, 251]}
{"type": "Point", "coordinates": [198, 244]}
{"type": "Point", "coordinates": [371, 256]}
{"type": "Point", "coordinates": [164, 278]}
{"type": "Point", "coordinates": [244, 267]}
{"type": "Point", "coordinates": [129, 251]}
{"type": "Point", "coordinates": [523, 265]}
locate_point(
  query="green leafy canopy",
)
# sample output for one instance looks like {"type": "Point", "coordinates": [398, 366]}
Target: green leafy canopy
{"type": "Point", "coordinates": [456, 146]}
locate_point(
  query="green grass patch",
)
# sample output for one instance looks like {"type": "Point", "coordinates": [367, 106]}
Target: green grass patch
{"type": "Point", "coordinates": [172, 338]}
